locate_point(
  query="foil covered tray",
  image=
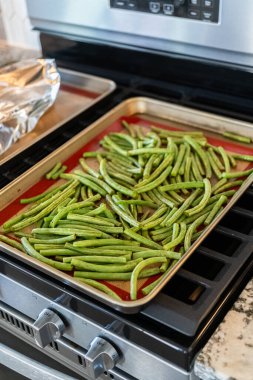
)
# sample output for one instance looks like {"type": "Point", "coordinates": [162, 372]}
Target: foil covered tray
{"type": "Point", "coordinates": [77, 92]}
{"type": "Point", "coordinates": [135, 110]}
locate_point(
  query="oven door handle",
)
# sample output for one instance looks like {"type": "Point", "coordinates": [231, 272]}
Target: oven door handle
{"type": "Point", "coordinates": [28, 367]}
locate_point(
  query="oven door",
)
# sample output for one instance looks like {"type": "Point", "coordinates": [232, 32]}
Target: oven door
{"type": "Point", "coordinates": [19, 362]}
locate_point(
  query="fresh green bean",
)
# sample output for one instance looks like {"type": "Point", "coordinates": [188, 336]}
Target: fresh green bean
{"type": "Point", "coordinates": [232, 160]}
{"type": "Point", "coordinates": [154, 198]}
{"type": "Point", "coordinates": [115, 146]}
{"type": "Point", "coordinates": [106, 229]}
{"type": "Point", "coordinates": [191, 219]}
{"type": "Point", "coordinates": [187, 154]}
{"type": "Point", "coordinates": [157, 253]}
{"type": "Point", "coordinates": [195, 169]}
{"type": "Point", "coordinates": [32, 252]}
{"type": "Point", "coordinates": [99, 259]}
{"type": "Point", "coordinates": [12, 242]}
{"type": "Point", "coordinates": [149, 165]}
{"type": "Point", "coordinates": [126, 137]}
{"type": "Point", "coordinates": [88, 169]}
{"type": "Point", "coordinates": [228, 185]}
{"type": "Point", "coordinates": [135, 236]}
{"type": "Point", "coordinates": [159, 170]}
{"type": "Point", "coordinates": [110, 268]}
{"type": "Point", "coordinates": [136, 152]}
{"type": "Point", "coordinates": [160, 231]}
{"type": "Point", "coordinates": [138, 202]}
{"type": "Point", "coordinates": [201, 153]}
{"type": "Point", "coordinates": [215, 158]}
{"type": "Point", "coordinates": [61, 240]}
{"type": "Point", "coordinates": [204, 200]}
{"type": "Point", "coordinates": [97, 181]}
{"type": "Point", "coordinates": [59, 172]}
{"type": "Point", "coordinates": [103, 288]}
{"type": "Point", "coordinates": [188, 164]}
{"type": "Point", "coordinates": [129, 219]}
{"type": "Point", "coordinates": [159, 212]}
{"type": "Point", "coordinates": [140, 156]}
{"type": "Point", "coordinates": [112, 183]}
{"type": "Point", "coordinates": [39, 246]}
{"type": "Point", "coordinates": [213, 164]}
{"type": "Point", "coordinates": [122, 276]}
{"type": "Point", "coordinates": [90, 219]}
{"type": "Point", "coordinates": [176, 241]}
{"type": "Point", "coordinates": [236, 137]}
{"type": "Point", "coordinates": [128, 127]}
{"type": "Point", "coordinates": [57, 166]}
{"type": "Point", "coordinates": [215, 210]}
{"type": "Point", "coordinates": [34, 218]}
{"type": "Point", "coordinates": [102, 251]}
{"type": "Point", "coordinates": [243, 157]}
{"type": "Point", "coordinates": [175, 230]}
{"type": "Point", "coordinates": [176, 133]}
{"type": "Point", "coordinates": [244, 173]}
{"type": "Point", "coordinates": [102, 242]}
{"type": "Point", "coordinates": [45, 195]}
{"type": "Point", "coordinates": [218, 184]}
{"type": "Point", "coordinates": [171, 213]}
{"type": "Point", "coordinates": [53, 251]}
{"type": "Point", "coordinates": [122, 177]}
{"type": "Point", "coordinates": [179, 212]}
{"type": "Point", "coordinates": [164, 198]}
{"type": "Point", "coordinates": [91, 185]}
{"type": "Point", "coordinates": [225, 158]}
{"type": "Point", "coordinates": [139, 267]}
{"type": "Point", "coordinates": [74, 206]}
{"type": "Point", "coordinates": [164, 266]}
{"type": "Point", "coordinates": [182, 185]}
{"type": "Point", "coordinates": [22, 234]}
{"type": "Point", "coordinates": [191, 229]}
{"type": "Point", "coordinates": [68, 231]}
{"type": "Point", "coordinates": [179, 160]}
{"type": "Point", "coordinates": [156, 182]}
{"type": "Point", "coordinates": [155, 222]}
{"type": "Point", "coordinates": [199, 165]}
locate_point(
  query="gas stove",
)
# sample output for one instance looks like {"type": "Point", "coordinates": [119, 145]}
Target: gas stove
{"type": "Point", "coordinates": [162, 340]}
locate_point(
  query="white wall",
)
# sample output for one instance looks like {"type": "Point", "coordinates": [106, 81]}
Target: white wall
{"type": "Point", "coordinates": [15, 25]}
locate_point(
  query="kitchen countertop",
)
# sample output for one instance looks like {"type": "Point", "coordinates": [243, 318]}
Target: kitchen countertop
{"type": "Point", "coordinates": [228, 355]}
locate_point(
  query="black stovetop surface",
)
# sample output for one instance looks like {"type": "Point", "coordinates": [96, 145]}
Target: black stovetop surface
{"type": "Point", "coordinates": [183, 316]}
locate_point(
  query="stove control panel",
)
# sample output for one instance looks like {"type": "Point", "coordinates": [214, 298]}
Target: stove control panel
{"type": "Point", "coordinates": [201, 10]}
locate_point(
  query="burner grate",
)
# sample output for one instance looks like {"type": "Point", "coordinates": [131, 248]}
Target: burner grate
{"type": "Point", "coordinates": [189, 297]}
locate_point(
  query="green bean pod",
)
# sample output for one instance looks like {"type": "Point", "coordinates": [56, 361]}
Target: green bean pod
{"type": "Point", "coordinates": [139, 267]}
{"type": "Point", "coordinates": [204, 200]}
{"type": "Point", "coordinates": [215, 210]}
{"type": "Point", "coordinates": [32, 252]}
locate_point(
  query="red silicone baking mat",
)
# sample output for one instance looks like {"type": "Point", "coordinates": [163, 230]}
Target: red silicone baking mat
{"type": "Point", "coordinates": [122, 287]}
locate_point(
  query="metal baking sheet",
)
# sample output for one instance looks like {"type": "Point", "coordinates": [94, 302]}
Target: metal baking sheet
{"type": "Point", "coordinates": [77, 92]}
{"type": "Point", "coordinates": [143, 110]}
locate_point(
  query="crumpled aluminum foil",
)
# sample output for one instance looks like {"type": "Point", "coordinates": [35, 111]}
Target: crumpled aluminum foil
{"type": "Point", "coordinates": [27, 89]}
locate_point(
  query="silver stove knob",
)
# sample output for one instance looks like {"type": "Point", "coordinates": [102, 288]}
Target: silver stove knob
{"type": "Point", "coordinates": [47, 327]}
{"type": "Point", "coordinates": [101, 357]}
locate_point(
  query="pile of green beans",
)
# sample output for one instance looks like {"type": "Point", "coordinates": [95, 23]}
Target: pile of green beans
{"type": "Point", "coordinates": [131, 210]}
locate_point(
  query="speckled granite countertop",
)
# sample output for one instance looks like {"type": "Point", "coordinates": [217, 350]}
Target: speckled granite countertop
{"type": "Point", "coordinates": [228, 355]}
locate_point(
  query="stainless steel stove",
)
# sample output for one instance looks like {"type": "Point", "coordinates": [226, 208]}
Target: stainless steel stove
{"type": "Point", "coordinates": [203, 71]}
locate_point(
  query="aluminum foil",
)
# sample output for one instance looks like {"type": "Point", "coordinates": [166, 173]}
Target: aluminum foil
{"type": "Point", "coordinates": [27, 89]}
